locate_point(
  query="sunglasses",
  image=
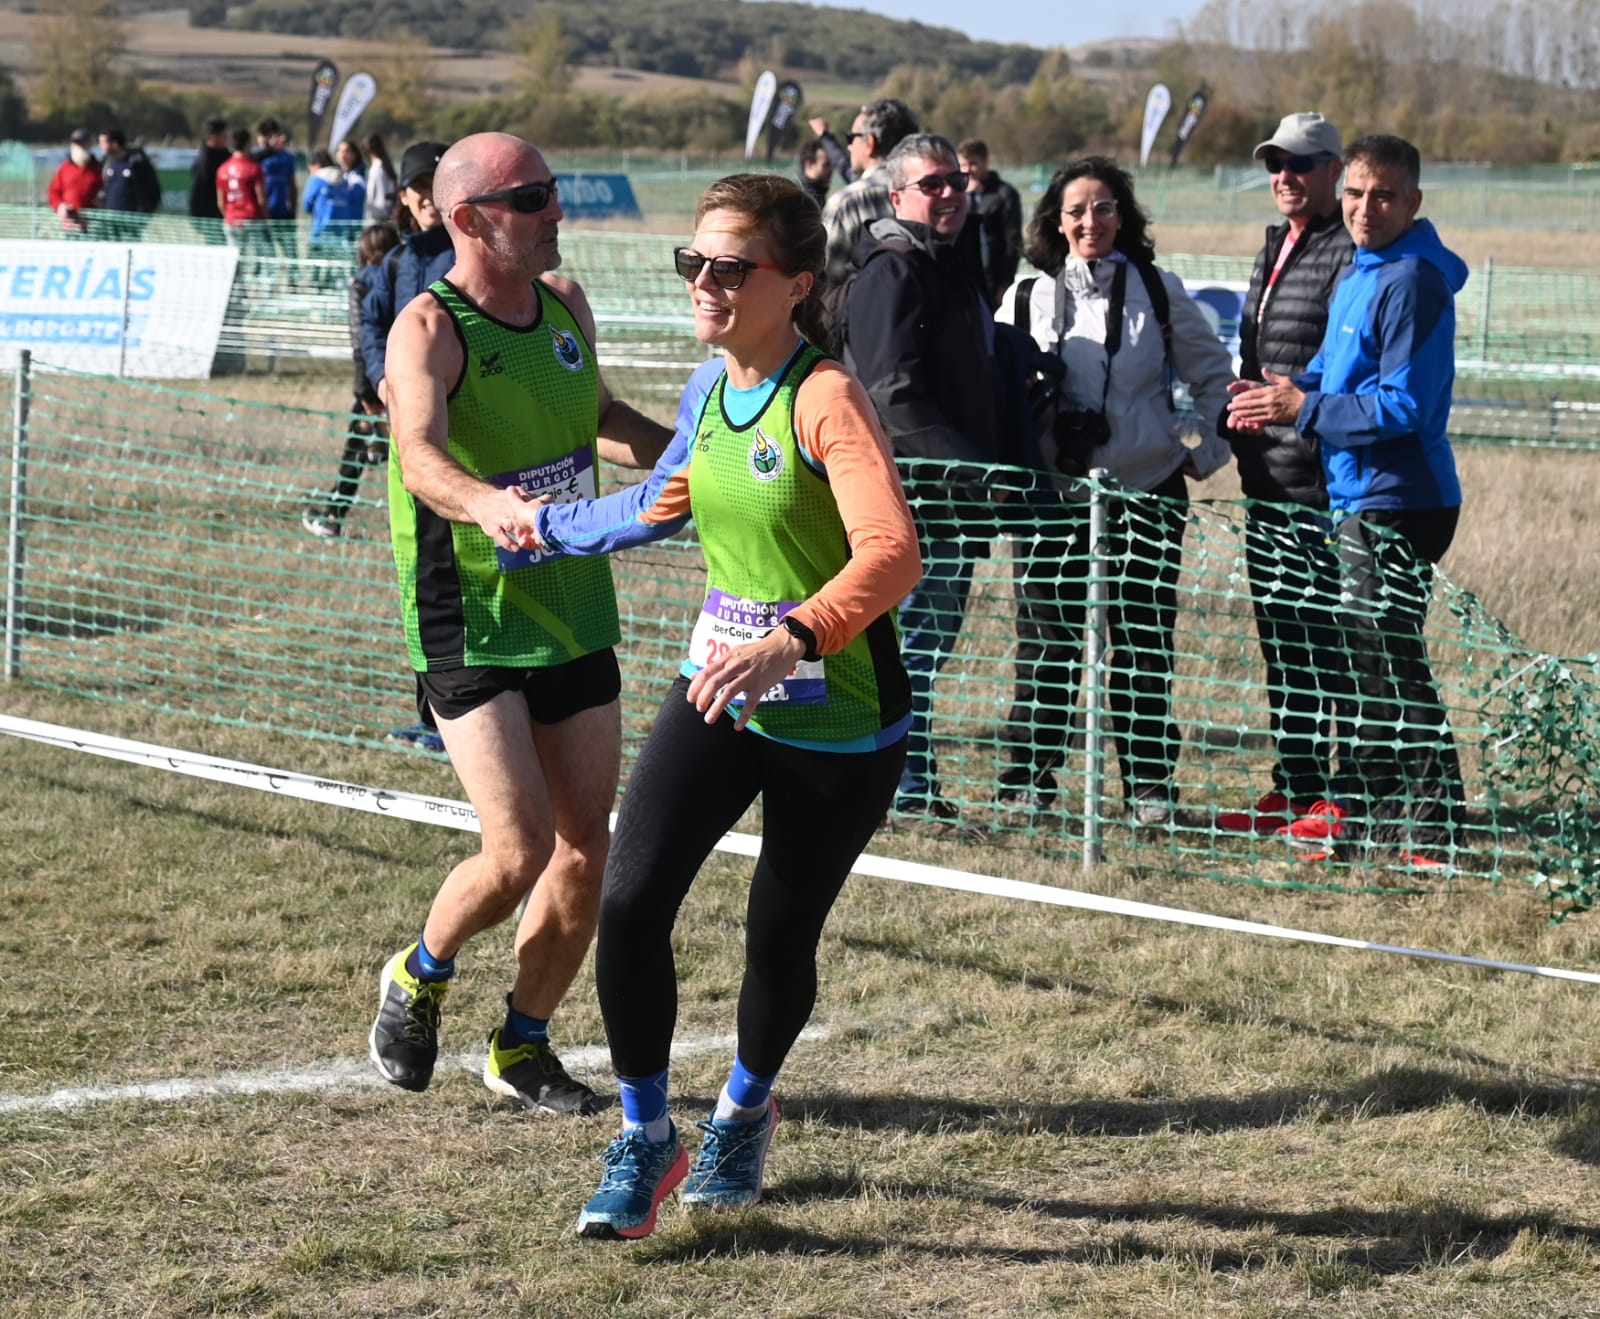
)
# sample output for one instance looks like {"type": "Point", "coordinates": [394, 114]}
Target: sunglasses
{"type": "Point", "coordinates": [1104, 209]}
{"type": "Point", "coordinates": [933, 184]}
{"type": "Point", "coordinates": [1276, 164]}
{"type": "Point", "coordinates": [851, 137]}
{"type": "Point", "coordinates": [525, 198]}
{"type": "Point", "coordinates": [727, 272]}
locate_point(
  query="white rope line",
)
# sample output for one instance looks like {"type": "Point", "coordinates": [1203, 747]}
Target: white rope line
{"type": "Point", "coordinates": [459, 815]}
{"type": "Point", "coordinates": [340, 1076]}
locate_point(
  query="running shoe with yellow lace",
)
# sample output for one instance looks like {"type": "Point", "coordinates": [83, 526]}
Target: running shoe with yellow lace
{"type": "Point", "coordinates": [405, 1038]}
{"type": "Point", "coordinates": [532, 1074]}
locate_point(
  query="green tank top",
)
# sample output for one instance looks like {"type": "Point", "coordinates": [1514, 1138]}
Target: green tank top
{"type": "Point", "coordinates": [525, 412]}
{"type": "Point", "coordinates": [772, 537]}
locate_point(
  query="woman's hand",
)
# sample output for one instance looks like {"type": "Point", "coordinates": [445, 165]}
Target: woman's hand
{"type": "Point", "coordinates": [754, 668]}
{"type": "Point", "coordinates": [507, 518]}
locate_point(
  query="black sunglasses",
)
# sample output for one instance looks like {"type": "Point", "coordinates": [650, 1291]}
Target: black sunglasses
{"type": "Point", "coordinates": [525, 197]}
{"type": "Point", "coordinates": [851, 137]}
{"type": "Point", "coordinates": [932, 185]}
{"type": "Point", "coordinates": [727, 272]}
{"type": "Point", "coordinates": [1276, 164]}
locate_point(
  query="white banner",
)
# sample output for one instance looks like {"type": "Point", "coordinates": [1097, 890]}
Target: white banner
{"type": "Point", "coordinates": [359, 89]}
{"type": "Point", "coordinates": [1156, 105]}
{"type": "Point", "coordinates": [139, 309]}
{"type": "Point", "coordinates": [760, 108]}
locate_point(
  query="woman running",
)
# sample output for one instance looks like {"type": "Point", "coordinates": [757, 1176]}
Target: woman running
{"type": "Point", "coordinates": [792, 689]}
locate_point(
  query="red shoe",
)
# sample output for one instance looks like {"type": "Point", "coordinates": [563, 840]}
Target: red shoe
{"type": "Point", "coordinates": [1269, 815]}
{"type": "Point", "coordinates": [1323, 822]}
{"type": "Point", "coordinates": [1429, 861]}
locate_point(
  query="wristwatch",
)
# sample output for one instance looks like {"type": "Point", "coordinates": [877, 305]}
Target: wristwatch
{"type": "Point", "coordinates": [804, 635]}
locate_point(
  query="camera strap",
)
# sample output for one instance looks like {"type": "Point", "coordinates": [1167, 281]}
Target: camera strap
{"type": "Point", "coordinates": [1157, 293]}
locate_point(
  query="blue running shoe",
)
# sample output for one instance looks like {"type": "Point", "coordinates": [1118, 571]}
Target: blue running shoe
{"type": "Point", "coordinates": [639, 1176]}
{"type": "Point", "coordinates": [727, 1171]}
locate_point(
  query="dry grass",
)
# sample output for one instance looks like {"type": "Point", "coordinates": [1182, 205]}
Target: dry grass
{"type": "Point", "coordinates": [1016, 1111]}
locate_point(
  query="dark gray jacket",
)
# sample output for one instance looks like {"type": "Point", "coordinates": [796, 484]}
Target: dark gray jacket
{"type": "Point", "coordinates": [1279, 464]}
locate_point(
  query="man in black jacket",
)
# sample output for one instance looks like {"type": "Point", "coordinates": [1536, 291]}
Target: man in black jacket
{"type": "Point", "coordinates": [918, 332]}
{"type": "Point", "coordinates": [998, 209]}
{"type": "Point", "coordinates": [203, 179]}
{"type": "Point", "coordinates": [1293, 573]}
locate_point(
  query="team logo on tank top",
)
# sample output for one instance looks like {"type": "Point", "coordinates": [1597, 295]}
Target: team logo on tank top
{"type": "Point", "coordinates": [766, 458]}
{"type": "Point", "coordinates": [567, 350]}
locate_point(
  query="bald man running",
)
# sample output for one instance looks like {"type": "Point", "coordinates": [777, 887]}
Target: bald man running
{"type": "Point", "coordinates": [495, 398]}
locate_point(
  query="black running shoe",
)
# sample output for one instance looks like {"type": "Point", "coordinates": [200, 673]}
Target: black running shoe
{"type": "Point", "coordinates": [405, 1038]}
{"type": "Point", "coordinates": [534, 1075]}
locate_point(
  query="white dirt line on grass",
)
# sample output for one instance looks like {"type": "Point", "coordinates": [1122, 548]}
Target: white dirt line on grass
{"type": "Point", "coordinates": [337, 1077]}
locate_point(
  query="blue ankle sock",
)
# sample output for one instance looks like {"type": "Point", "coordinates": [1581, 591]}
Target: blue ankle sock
{"type": "Point", "coordinates": [644, 1104]}
{"type": "Point", "coordinates": [425, 966]}
{"type": "Point", "coordinates": [520, 1028]}
{"type": "Point", "coordinates": [745, 1089]}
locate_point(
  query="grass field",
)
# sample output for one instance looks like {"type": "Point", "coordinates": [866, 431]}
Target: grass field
{"type": "Point", "coordinates": [1006, 1110]}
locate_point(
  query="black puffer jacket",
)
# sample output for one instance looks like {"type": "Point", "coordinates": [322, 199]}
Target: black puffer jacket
{"type": "Point", "coordinates": [1279, 464]}
{"type": "Point", "coordinates": [918, 334]}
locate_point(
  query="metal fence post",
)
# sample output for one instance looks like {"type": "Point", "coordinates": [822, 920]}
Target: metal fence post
{"type": "Point", "coordinates": [1094, 685]}
{"type": "Point", "coordinates": [127, 291]}
{"type": "Point", "coordinates": [19, 472]}
{"type": "Point", "coordinates": [1488, 309]}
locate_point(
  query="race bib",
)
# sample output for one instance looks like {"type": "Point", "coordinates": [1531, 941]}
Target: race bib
{"type": "Point", "coordinates": [565, 480]}
{"type": "Point", "coordinates": [727, 621]}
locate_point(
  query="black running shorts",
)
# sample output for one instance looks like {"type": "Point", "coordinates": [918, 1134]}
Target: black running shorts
{"type": "Point", "coordinates": [553, 694]}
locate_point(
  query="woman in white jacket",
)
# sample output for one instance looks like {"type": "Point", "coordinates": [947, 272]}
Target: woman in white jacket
{"type": "Point", "coordinates": [1099, 306]}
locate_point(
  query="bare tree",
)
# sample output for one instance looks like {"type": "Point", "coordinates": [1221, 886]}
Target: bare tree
{"type": "Point", "coordinates": [75, 45]}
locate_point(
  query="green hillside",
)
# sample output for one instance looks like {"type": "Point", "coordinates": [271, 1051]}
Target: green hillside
{"type": "Point", "coordinates": [691, 38]}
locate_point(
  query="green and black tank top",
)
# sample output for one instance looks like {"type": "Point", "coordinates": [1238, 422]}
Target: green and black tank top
{"type": "Point", "coordinates": [524, 412]}
{"type": "Point", "coordinates": [772, 537]}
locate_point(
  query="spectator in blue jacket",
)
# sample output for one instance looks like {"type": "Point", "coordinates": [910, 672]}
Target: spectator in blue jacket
{"type": "Point", "coordinates": [278, 180]}
{"type": "Point", "coordinates": [336, 199]}
{"type": "Point", "coordinates": [425, 253]}
{"type": "Point", "coordinates": [1376, 400]}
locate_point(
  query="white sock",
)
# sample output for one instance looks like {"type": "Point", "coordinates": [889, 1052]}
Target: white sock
{"type": "Point", "coordinates": [728, 1111]}
{"type": "Point", "coordinates": [657, 1132]}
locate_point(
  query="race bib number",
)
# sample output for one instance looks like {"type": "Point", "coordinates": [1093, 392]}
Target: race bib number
{"type": "Point", "coordinates": [727, 621]}
{"type": "Point", "coordinates": [565, 480]}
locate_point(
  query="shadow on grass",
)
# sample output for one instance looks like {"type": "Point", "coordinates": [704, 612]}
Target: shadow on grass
{"type": "Point", "coordinates": [1389, 1091]}
{"type": "Point", "coordinates": [216, 820]}
{"type": "Point", "coordinates": [1376, 1241]}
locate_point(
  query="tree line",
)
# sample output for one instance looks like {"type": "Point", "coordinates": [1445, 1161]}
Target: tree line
{"type": "Point", "coordinates": [1486, 80]}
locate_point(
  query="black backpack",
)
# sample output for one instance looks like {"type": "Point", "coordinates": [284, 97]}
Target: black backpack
{"type": "Point", "coordinates": [836, 296]}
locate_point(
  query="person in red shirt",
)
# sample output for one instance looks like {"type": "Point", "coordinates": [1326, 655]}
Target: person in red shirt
{"type": "Point", "coordinates": [76, 185]}
{"type": "Point", "coordinates": [241, 194]}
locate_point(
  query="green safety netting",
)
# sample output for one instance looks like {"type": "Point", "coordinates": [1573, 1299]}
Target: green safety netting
{"type": "Point", "coordinates": [157, 558]}
{"type": "Point", "coordinates": [1528, 346]}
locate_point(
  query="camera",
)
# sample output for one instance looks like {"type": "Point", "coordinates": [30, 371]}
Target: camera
{"type": "Point", "coordinates": [1078, 432]}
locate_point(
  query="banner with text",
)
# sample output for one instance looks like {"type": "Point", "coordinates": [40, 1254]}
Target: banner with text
{"type": "Point", "coordinates": [359, 89]}
{"type": "Point", "coordinates": [137, 309]}
{"type": "Point", "coordinates": [1156, 105]}
{"type": "Point", "coordinates": [323, 80]}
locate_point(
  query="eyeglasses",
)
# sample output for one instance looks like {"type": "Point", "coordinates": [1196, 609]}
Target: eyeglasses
{"type": "Point", "coordinates": [1103, 209]}
{"type": "Point", "coordinates": [525, 198]}
{"type": "Point", "coordinates": [851, 137]}
{"type": "Point", "coordinates": [933, 184]}
{"type": "Point", "coordinates": [727, 272]}
{"type": "Point", "coordinates": [1276, 164]}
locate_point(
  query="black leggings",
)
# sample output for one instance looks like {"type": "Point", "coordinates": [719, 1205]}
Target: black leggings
{"type": "Point", "coordinates": [691, 784]}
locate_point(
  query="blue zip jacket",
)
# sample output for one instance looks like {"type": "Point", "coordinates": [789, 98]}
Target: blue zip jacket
{"type": "Point", "coordinates": [422, 257]}
{"type": "Point", "coordinates": [1378, 391]}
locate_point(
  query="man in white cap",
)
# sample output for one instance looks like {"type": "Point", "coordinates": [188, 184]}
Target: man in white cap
{"type": "Point", "coordinates": [1293, 576]}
